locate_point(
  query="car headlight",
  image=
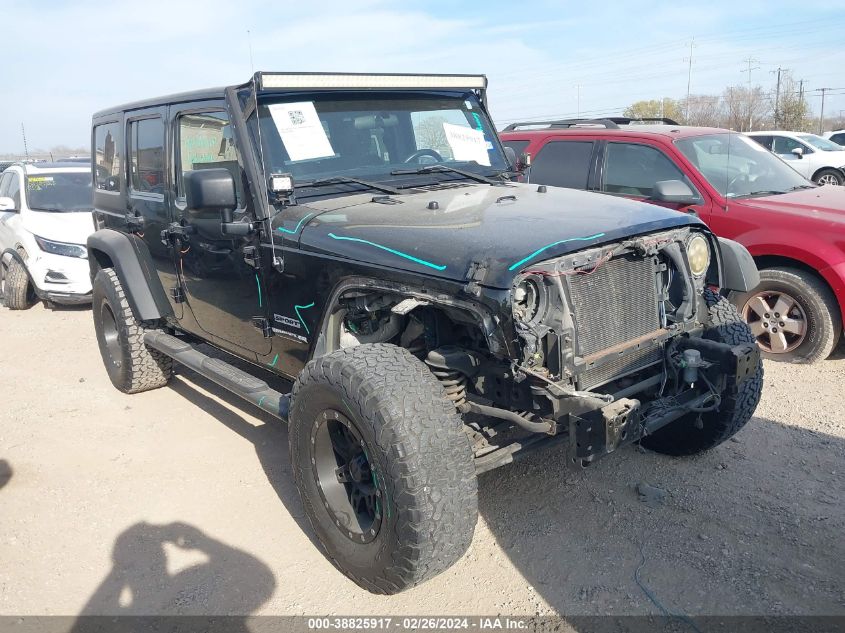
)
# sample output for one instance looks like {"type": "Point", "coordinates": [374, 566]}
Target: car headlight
{"type": "Point", "coordinates": [61, 248]}
{"type": "Point", "coordinates": [698, 253]}
{"type": "Point", "coordinates": [527, 300]}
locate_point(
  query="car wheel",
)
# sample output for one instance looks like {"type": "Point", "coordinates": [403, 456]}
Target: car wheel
{"type": "Point", "coordinates": [383, 466]}
{"type": "Point", "coordinates": [132, 366]}
{"type": "Point", "coordinates": [829, 177]}
{"type": "Point", "coordinates": [792, 314]}
{"type": "Point", "coordinates": [697, 432]}
{"type": "Point", "coordinates": [17, 292]}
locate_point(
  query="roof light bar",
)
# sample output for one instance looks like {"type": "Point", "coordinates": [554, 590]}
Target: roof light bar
{"type": "Point", "coordinates": [300, 81]}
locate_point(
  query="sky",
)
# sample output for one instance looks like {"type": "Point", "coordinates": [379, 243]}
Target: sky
{"type": "Point", "coordinates": [547, 58]}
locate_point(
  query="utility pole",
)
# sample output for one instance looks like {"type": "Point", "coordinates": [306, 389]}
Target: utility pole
{"type": "Point", "coordinates": [821, 115]}
{"type": "Point", "coordinates": [25, 148]}
{"type": "Point", "coordinates": [750, 61]}
{"type": "Point", "coordinates": [777, 98]}
{"type": "Point", "coordinates": [249, 43]}
{"type": "Point", "coordinates": [689, 76]}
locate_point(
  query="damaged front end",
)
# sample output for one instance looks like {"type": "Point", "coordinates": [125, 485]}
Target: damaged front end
{"type": "Point", "coordinates": [614, 345]}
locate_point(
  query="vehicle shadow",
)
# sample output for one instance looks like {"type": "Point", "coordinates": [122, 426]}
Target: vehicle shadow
{"type": "Point", "coordinates": [751, 527]}
{"type": "Point", "coordinates": [270, 439]}
{"type": "Point", "coordinates": [5, 472]}
{"type": "Point", "coordinates": [144, 580]}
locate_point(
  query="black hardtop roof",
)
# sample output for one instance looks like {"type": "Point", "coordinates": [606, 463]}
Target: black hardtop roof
{"type": "Point", "coordinates": [179, 97]}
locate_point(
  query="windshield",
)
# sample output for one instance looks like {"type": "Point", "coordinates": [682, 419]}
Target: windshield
{"type": "Point", "coordinates": [738, 167]}
{"type": "Point", "coordinates": [367, 136]}
{"type": "Point", "coordinates": [57, 191]}
{"type": "Point", "coordinates": [821, 143]}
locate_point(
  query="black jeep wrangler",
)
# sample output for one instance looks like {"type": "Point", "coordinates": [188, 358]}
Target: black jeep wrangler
{"type": "Point", "coordinates": [361, 236]}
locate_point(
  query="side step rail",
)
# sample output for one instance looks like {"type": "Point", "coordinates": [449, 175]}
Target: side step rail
{"type": "Point", "coordinates": [227, 376]}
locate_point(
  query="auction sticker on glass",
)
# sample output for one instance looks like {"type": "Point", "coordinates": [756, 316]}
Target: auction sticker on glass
{"type": "Point", "coordinates": [301, 130]}
{"type": "Point", "coordinates": [467, 144]}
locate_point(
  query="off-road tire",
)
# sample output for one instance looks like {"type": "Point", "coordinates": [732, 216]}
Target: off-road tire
{"type": "Point", "coordinates": [132, 366]}
{"type": "Point", "coordinates": [824, 323]}
{"type": "Point", "coordinates": [18, 293]}
{"type": "Point", "coordinates": [416, 445]}
{"type": "Point", "coordinates": [830, 176]}
{"type": "Point", "coordinates": [683, 437]}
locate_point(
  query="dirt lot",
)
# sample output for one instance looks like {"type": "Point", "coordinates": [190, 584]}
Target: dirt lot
{"type": "Point", "coordinates": [181, 501]}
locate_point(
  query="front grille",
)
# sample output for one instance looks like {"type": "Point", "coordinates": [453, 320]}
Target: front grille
{"type": "Point", "coordinates": [615, 304]}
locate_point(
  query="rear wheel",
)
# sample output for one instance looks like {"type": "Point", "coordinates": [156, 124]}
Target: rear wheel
{"type": "Point", "coordinates": [131, 365]}
{"type": "Point", "coordinates": [17, 292]}
{"type": "Point", "coordinates": [829, 177]}
{"type": "Point", "coordinates": [792, 314]}
{"type": "Point", "coordinates": [383, 466]}
{"type": "Point", "coordinates": [697, 432]}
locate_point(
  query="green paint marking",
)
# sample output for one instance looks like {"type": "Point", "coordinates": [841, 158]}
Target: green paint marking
{"type": "Point", "coordinates": [296, 228]}
{"type": "Point", "coordinates": [389, 250]}
{"type": "Point", "coordinates": [260, 400]}
{"type": "Point", "coordinates": [299, 316]}
{"type": "Point", "coordinates": [548, 246]}
{"type": "Point", "coordinates": [275, 360]}
{"type": "Point", "coordinates": [258, 283]}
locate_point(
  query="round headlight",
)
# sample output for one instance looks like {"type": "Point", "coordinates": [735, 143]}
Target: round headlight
{"type": "Point", "coordinates": [698, 252]}
{"type": "Point", "coordinates": [526, 300]}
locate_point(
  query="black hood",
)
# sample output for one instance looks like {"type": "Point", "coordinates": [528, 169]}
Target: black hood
{"type": "Point", "coordinates": [507, 228]}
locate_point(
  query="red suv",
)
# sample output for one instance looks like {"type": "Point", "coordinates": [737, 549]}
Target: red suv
{"type": "Point", "coordinates": [794, 229]}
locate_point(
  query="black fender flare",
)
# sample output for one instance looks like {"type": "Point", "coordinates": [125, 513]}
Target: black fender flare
{"type": "Point", "coordinates": [135, 270]}
{"type": "Point", "coordinates": [739, 272]}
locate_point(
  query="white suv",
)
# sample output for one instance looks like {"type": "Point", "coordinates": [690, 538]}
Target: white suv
{"type": "Point", "coordinates": [812, 156]}
{"type": "Point", "coordinates": [45, 220]}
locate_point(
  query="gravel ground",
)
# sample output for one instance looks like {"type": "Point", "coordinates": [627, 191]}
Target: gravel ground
{"type": "Point", "coordinates": [180, 501]}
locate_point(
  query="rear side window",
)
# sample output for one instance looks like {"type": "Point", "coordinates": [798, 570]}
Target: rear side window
{"type": "Point", "coordinates": [765, 141]}
{"type": "Point", "coordinates": [563, 164]}
{"type": "Point", "coordinates": [107, 157]}
{"type": "Point", "coordinates": [631, 169]}
{"type": "Point", "coordinates": [838, 138]}
{"type": "Point", "coordinates": [146, 156]}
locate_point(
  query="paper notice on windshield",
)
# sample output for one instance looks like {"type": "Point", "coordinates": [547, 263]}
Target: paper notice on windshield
{"type": "Point", "coordinates": [467, 144]}
{"type": "Point", "coordinates": [301, 130]}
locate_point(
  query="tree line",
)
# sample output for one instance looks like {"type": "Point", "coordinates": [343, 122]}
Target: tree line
{"type": "Point", "coordinates": [741, 108]}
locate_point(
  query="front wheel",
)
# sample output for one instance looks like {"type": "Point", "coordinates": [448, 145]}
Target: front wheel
{"type": "Point", "coordinates": [792, 314]}
{"type": "Point", "coordinates": [698, 432]}
{"type": "Point", "coordinates": [383, 466]}
{"type": "Point", "coordinates": [17, 292]}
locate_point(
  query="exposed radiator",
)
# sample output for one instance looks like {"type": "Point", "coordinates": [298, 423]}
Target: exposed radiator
{"type": "Point", "coordinates": [615, 304]}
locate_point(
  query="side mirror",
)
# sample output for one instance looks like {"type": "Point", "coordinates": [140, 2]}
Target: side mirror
{"type": "Point", "coordinates": [799, 152]}
{"type": "Point", "coordinates": [7, 204]}
{"type": "Point", "coordinates": [510, 154]}
{"type": "Point", "coordinates": [673, 191]}
{"type": "Point", "coordinates": [210, 190]}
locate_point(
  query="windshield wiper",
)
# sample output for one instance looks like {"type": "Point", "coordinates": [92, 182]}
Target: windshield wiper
{"type": "Point", "coordinates": [343, 180]}
{"type": "Point", "coordinates": [797, 187]}
{"type": "Point", "coordinates": [431, 169]}
{"type": "Point", "coordinates": [770, 192]}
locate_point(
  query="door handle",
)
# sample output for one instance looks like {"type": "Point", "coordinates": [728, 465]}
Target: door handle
{"type": "Point", "coordinates": [134, 222]}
